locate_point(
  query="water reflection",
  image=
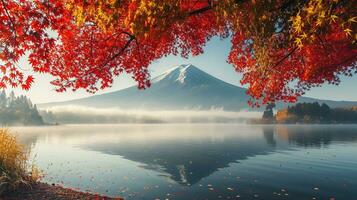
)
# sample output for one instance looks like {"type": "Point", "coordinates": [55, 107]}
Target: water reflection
{"type": "Point", "coordinates": [268, 132]}
{"type": "Point", "coordinates": [316, 136]}
{"type": "Point", "coordinates": [186, 161]}
{"type": "Point", "coordinates": [188, 153]}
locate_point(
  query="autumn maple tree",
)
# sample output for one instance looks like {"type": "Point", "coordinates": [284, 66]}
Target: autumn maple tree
{"type": "Point", "coordinates": [282, 47]}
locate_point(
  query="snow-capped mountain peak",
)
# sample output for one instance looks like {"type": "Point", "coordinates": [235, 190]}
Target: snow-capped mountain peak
{"type": "Point", "coordinates": [183, 75]}
{"type": "Point", "coordinates": [174, 74]}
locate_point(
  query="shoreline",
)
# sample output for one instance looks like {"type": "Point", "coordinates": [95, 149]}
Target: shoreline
{"type": "Point", "coordinates": [44, 191]}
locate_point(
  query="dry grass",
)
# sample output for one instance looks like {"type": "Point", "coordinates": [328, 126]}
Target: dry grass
{"type": "Point", "coordinates": [15, 168]}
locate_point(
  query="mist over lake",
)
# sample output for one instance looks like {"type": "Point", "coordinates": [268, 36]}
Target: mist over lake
{"type": "Point", "coordinates": [199, 161]}
{"type": "Point", "coordinates": [87, 115]}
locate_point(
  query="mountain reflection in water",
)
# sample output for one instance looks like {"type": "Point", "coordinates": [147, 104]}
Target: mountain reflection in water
{"type": "Point", "coordinates": [186, 154]}
{"type": "Point", "coordinates": [189, 161]}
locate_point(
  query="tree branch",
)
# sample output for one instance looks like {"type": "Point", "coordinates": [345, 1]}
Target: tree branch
{"type": "Point", "coordinates": [199, 11]}
{"type": "Point", "coordinates": [121, 50]}
{"type": "Point", "coordinates": [9, 16]}
{"type": "Point", "coordinates": [354, 57]}
{"type": "Point", "coordinates": [285, 57]}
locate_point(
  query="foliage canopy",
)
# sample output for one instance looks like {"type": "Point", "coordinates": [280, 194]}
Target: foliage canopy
{"type": "Point", "coordinates": [282, 47]}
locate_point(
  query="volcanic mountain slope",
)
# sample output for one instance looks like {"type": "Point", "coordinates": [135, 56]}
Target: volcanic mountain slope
{"type": "Point", "coordinates": [183, 87]}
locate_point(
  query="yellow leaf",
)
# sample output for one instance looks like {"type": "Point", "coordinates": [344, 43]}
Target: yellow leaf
{"type": "Point", "coordinates": [303, 35]}
{"type": "Point", "coordinates": [298, 42]}
{"type": "Point", "coordinates": [348, 31]}
{"type": "Point", "coordinates": [333, 18]}
{"type": "Point", "coordinates": [352, 19]}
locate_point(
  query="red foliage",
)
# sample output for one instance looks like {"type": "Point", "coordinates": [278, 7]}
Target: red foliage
{"type": "Point", "coordinates": [294, 70]}
{"type": "Point", "coordinates": [89, 55]}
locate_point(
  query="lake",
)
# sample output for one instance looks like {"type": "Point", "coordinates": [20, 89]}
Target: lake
{"type": "Point", "coordinates": [199, 161]}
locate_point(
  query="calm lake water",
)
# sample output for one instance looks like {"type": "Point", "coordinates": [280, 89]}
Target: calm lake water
{"type": "Point", "coordinates": [199, 161]}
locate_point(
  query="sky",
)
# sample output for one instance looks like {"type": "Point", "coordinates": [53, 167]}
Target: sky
{"type": "Point", "coordinates": [212, 61]}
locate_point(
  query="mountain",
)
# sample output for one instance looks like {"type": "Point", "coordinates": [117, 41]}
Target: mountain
{"type": "Point", "coordinates": [182, 87]}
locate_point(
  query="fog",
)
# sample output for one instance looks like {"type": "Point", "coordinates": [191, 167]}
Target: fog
{"type": "Point", "coordinates": [78, 114]}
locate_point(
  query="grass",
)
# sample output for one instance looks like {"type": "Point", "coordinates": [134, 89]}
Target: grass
{"type": "Point", "coordinates": [15, 168]}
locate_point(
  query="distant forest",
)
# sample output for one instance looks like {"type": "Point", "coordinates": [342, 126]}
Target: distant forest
{"type": "Point", "coordinates": [316, 113]}
{"type": "Point", "coordinates": [18, 111]}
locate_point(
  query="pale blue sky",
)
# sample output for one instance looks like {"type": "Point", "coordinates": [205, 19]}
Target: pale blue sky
{"type": "Point", "coordinates": [212, 61]}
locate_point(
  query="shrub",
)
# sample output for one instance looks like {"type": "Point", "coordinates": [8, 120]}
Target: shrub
{"type": "Point", "coordinates": [15, 168]}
